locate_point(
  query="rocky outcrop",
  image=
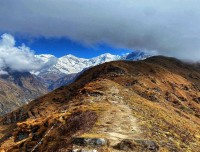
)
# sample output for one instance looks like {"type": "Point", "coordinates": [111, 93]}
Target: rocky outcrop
{"type": "Point", "coordinates": [81, 141]}
{"type": "Point", "coordinates": [15, 116]}
{"type": "Point", "coordinates": [137, 145]}
{"type": "Point", "coordinates": [82, 144]}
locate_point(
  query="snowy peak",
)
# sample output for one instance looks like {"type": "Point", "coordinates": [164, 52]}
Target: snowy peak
{"type": "Point", "coordinates": [71, 59]}
{"type": "Point", "coordinates": [138, 55]}
{"type": "Point", "coordinates": [71, 64]}
{"type": "Point", "coordinates": [107, 57]}
{"type": "Point", "coordinates": [57, 67]}
{"type": "Point", "coordinates": [45, 57]}
{"type": "Point", "coordinates": [70, 56]}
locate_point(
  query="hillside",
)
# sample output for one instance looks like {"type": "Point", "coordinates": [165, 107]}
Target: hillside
{"type": "Point", "coordinates": [17, 89]}
{"type": "Point", "coordinates": [65, 80]}
{"type": "Point", "coordinates": [151, 105]}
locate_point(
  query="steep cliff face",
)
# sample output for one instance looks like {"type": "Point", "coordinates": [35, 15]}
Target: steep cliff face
{"type": "Point", "coordinates": [17, 89]}
{"type": "Point", "coordinates": [150, 105]}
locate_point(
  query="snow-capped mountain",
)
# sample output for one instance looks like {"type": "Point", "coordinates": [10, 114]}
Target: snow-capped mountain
{"type": "Point", "coordinates": [138, 55]}
{"type": "Point", "coordinates": [71, 64]}
{"type": "Point", "coordinates": [55, 68]}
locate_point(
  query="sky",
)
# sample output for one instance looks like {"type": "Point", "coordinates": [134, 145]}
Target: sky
{"type": "Point", "coordinates": [60, 46]}
{"type": "Point", "coordinates": [17, 56]}
{"type": "Point", "coordinates": [87, 28]}
{"type": "Point", "coordinates": [20, 58]}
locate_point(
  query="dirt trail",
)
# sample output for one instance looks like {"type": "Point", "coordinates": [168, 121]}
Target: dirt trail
{"type": "Point", "coordinates": [118, 122]}
{"type": "Point", "coordinates": [122, 124]}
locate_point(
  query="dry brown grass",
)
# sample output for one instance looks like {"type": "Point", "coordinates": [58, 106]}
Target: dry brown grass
{"type": "Point", "coordinates": [157, 96]}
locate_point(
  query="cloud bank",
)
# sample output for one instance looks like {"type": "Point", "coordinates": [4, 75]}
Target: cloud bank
{"type": "Point", "coordinates": [172, 27]}
{"type": "Point", "coordinates": [2, 72]}
{"type": "Point", "coordinates": [16, 58]}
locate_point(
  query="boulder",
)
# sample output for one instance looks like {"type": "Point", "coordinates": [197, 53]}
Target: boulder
{"type": "Point", "coordinates": [137, 145]}
{"type": "Point", "coordinates": [126, 145]}
{"type": "Point", "coordinates": [148, 144]}
{"type": "Point", "coordinates": [20, 136]}
{"type": "Point", "coordinates": [84, 150]}
{"type": "Point", "coordinates": [83, 144]}
{"type": "Point", "coordinates": [81, 141]}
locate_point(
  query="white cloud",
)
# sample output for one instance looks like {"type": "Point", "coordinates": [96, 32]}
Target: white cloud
{"type": "Point", "coordinates": [169, 26]}
{"type": "Point", "coordinates": [3, 72]}
{"type": "Point", "coordinates": [7, 40]}
{"type": "Point", "coordinates": [16, 58]}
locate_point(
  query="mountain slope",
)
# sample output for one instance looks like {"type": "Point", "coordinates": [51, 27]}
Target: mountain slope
{"type": "Point", "coordinates": [17, 89]}
{"type": "Point", "coordinates": [137, 106]}
{"type": "Point", "coordinates": [65, 80]}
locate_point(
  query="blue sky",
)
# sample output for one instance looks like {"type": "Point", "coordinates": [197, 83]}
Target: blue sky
{"type": "Point", "coordinates": [63, 46]}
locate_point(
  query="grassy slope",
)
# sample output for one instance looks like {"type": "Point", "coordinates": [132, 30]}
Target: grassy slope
{"type": "Point", "coordinates": [159, 94]}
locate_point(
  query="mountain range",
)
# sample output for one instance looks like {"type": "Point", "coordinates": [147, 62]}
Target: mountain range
{"type": "Point", "coordinates": [56, 69]}
{"type": "Point", "coordinates": [151, 105]}
{"type": "Point", "coordinates": [20, 87]}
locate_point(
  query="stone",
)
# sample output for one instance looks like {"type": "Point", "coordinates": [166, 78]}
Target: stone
{"type": "Point", "coordinates": [81, 141]}
{"type": "Point", "coordinates": [21, 135]}
{"type": "Point", "coordinates": [148, 144]}
{"type": "Point", "coordinates": [126, 145]}
{"type": "Point", "coordinates": [137, 145]}
{"type": "Point", "coordinates": [88, 150]}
